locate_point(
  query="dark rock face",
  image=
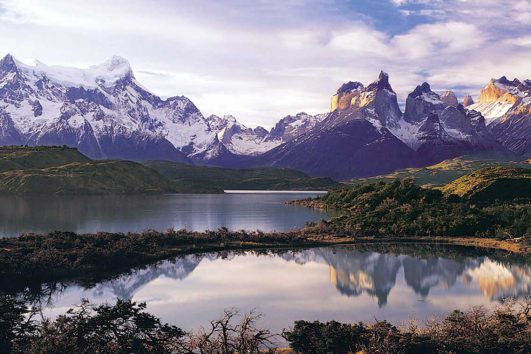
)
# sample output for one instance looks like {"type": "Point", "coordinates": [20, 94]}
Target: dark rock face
{"type": "Point", "coordinates": [421, 102]}
{"type": "Point", "coordinates": [514, 131]}
{"type": "Point", "coordinates": [37, 108]}
{"type": "Point", "coordinates": [352, 149]}
{"type": "Point", "coordinates": [446, 129]}
{"type": "Point", "coordinates": [9, 135]}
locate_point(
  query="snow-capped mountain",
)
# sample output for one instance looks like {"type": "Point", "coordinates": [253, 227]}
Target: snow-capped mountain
{"type": "Point", "coordinates": [352, 140]}
{"type": "Point", "coordinates": [292, 126]}
{"type": "Point", "coordinates": [367, 134]}
{"type": "Point", "coordinates": [105, 112]}
{"type": "Point", "coordinates": [506, 105]}
{"type": "Point", "coordinates": [239, 139]}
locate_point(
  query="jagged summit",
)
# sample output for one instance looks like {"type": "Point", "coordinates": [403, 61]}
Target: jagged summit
{"type": "Point", "coordinates": [382, 83]}
{"type": "Point", "coordinates": [353, 93]}
{"type": "Point", "coordinates": [420, 89]}
{"type": "Point", "coordinates": [349, 86]}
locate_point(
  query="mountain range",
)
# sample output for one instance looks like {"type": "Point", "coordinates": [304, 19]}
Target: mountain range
{"type": "Point", "coordinates": [106, 113]}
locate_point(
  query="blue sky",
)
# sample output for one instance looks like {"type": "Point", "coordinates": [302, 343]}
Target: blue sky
{"type": "Point", "coordinates": [261, 60]}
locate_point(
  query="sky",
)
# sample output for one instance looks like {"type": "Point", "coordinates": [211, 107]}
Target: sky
{"type": "Point", "coordinates": [264, 59]}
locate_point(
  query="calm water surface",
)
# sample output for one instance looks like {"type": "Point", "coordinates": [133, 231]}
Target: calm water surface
{"type": "Point", "coordinates": [340, 283]}
{"type": "Point", "coordinates": [198, 212]}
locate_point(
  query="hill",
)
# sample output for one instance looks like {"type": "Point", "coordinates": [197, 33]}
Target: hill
{"type": "Point", "coordinates": [448, 170]}
{"type": "Point", "coordinates": [493, 183]}
{"type": "Point", "coordinates": [490, 202]}
{"type": "Point", "coordinates": [62, 170]}
{"type": "Point", "coordinates": [202, 179]}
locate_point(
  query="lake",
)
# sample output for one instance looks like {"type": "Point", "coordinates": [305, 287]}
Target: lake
{"type": "Point", "coordinates": [197, 212]}
{"type": "Point", "coordinates": [341, 283]}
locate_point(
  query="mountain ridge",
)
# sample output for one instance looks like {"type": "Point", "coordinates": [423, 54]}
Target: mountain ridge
{"type": "Point", "coordinates": [106, 113]}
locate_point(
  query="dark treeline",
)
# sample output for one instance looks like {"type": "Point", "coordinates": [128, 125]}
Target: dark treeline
{"type": "Point", "coordinates": [65, 255]}
{"type": "Point", "coordinates": [402, 208]}
{"type": "Point", "coordinates": [127, 328]}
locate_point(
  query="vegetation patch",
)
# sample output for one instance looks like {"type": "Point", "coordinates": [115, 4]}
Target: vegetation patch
{"type": "Point", "coordinates": [487, 206]}
{"type": "Point", "coordinates": [202, 179]}
{"type": "Point", "coordinates": [127, 328]}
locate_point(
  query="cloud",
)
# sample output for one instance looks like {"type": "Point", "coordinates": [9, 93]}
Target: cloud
{"type": "Point", "coordinates": [263, 60]}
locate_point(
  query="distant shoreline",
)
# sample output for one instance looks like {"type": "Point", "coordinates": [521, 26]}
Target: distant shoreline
{"type": "Point", "coordinates": [270, 191]}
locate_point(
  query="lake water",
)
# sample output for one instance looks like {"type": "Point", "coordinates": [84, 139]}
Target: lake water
{"type": "Point", "coordinates": [197, 212]}
{"type": "Point", "coordinates": [341, 283]}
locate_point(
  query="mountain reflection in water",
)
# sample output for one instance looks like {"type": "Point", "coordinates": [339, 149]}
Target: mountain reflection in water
{"type": "Point", "coordinates": [339, 283]}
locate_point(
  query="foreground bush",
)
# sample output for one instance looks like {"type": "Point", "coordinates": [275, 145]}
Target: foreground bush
{"type": "Point", "coordinates": [402, 208]}
{"type": "Point", "coordinates": [126, 328]}
{"type": "Point", "coordinates": [120, 329]}
{"type": "Point", "coordinates": [504, 330]}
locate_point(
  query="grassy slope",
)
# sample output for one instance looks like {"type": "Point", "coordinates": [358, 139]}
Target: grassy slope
{"type": "Point", "coordinates": [492, 183]}
{"type": "Point", "coordinates": [448, 170]}
{"type": "Point", "coordinates": [58, 170]}
{"type": "Point", "coordinates": [215, 179]}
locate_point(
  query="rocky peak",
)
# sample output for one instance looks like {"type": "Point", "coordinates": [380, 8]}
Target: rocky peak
{"type": "Point", "coordinates": [353, 93]}
{"type": "Point", "coordinates": [468, 100]}
{"type": "Point", "coordinates": [260, 132]}
{"type": "Point", "coordinates": [421, 102]}
{"type": "Point", "coordinates": [349, 87]}
{"type": "Point", "coordinates": [381, 84]}
{"type": "Point", "coordinates": [449, 98]}
{"type": "Point", "coordinates": [8, 64]}
{"type": "Point", "coordinates": [501, 90]}
{"type": "Point", "coordinates": [293, 126]}
{"type": "Point", "coordinates": [342, 99]}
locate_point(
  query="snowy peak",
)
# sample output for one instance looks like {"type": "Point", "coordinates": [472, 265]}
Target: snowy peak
{"type": "Point", "coordinates": [290, 127]}
{"type": "Point", "coordinates": [501, 96]}
{"type": "Point", "coordinates": [501, 90]}
{"type": "Point", "coordinates": [103, 75]}
{"type": "Point", "coordinates": [421, 102]}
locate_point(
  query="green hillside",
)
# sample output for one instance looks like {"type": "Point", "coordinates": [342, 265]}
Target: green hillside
{"type": "Point", "coordinates": [448, 170]}
{"type": "Point", "coordinates": [62, 170]}
{"type": "Point", "coordinates": [23, 158]}
{"type": "Point", "coordinates": [213, 179]}
{"type": "Point", "coordinates": [492, 183]}
{"type": "Point", "coordinates": [493, 201]}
